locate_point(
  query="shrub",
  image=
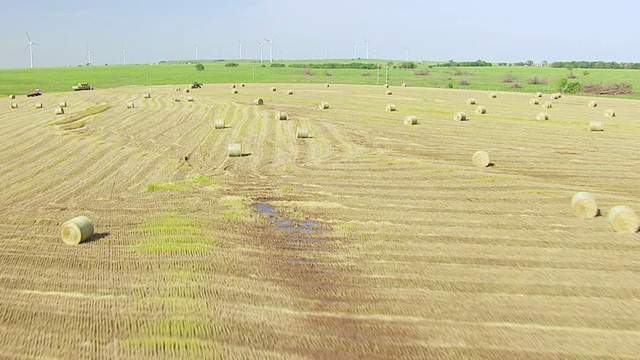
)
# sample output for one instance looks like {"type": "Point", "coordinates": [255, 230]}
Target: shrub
{"type": "Point", "coordinates": [535, 81]}
{"type": "Point", "coordinates": [277, 65]}
{"type": "Point", "coordinates": [585, 73]}
{"type": "Point", "coordinates": [326, 73]}
{"type": "Point", "coordinates": [231, 65]}
{"type": "Point", "coordinates": [199, 67]}
{"type": "Point", "coordinates": [508, 78]}
{"type": "Point", "coordinates": [308, 72]}
{"type": "Point", "coordinates": [407, 65]}
{"type": "Point", "coordinates": [366, 74]}
{"type": "Point", "coordinates": [571, 76]}
{"type": "Point", "coordinates": [463, 82]}
{"type": "Point", "coordinates": [422, 72]}
{"type": "Point", "coordinates": [516, 86]}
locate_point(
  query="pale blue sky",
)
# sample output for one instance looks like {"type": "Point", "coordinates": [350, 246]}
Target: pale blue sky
{"type": "Point", "coordinates": [492, 30]}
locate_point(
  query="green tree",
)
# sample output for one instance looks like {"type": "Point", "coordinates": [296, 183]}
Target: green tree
{"type": "Point", "coordinates": [199, 67]}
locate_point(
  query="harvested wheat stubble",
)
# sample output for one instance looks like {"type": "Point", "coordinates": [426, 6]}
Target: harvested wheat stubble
{"type": "Point", "coordinates": [388, 92]}
{"type": "Point", "coordinates": [493, 95]}
{"type": "Point", "coordinates": [177, 99]}
{"type": "Point", "coordinates": [481, 159]}
{"type": "Point", "coordinates": [411, 120]}
{"type": "Point", "coordinates": [323, 105]}
{"type": "Point", "coordinates": [258, 101]}
{"type": "Point", "coordinates": [610, 113]}
{"type": "Point", "coordinates": [59, 111]}
{"type": "Point", "coordinates": [534, 101]}
{"type": "Point", "coordinates": [63, 104]}
{"type": "Point", "coordinates": [130, 105]}
{"type": "Point", "coordinates": [14, 105]}
{"type": "Point", "coordinates": [538, 94]}
{"type": "Point", "coordinates": [471, 101]}
{"type": "Point", "coordinates": [39, 106]}
{"type": "Point", "coordinates": [547, 105]}
{"type": "Point", "coordinates": [460, 116]}
{"type": "Point", "coordinates": [584, 205]}
{"type": "Point", "coordinates": [12, 96]}
{"type": "Point", "coordinates": [302, 132]}
{"type": "Point", "coordinates": [481, 110]}
{"type": "Point", "coordinates": [147, 96]}
{"type": "Point", "coordinates": [281, 115]}
{"type": "Point", "coordinates": [624, 220]}
{"type": "Point", "coordinates": [76, 230]}
{"type": "Point", "coordinates": [391, 107]}
{"type": "Point", "coordinates": [273, 89]}
{"type": "Point", "coordinates": [595, 126]}
{"type": "Point", "coordinates": [542, 116]}
{"type": "Point", "coordinates": [234, 149]}
{"type": "Point", "coordinates": [234, 91]}
{"type": "Point", "coordinates": [219, 124]}
{"type": "Point", "coordinates": [190, 98]}
{"type": "Point", "coordinates": [289, 92]}
{"type": "Point", "coordinates": [593, 103]}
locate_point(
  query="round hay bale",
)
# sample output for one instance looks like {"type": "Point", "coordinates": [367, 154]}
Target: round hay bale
{"type": "Point", "coordinates": [542, 116]}
{"type": "Point", "coordinates": [460, 116]}
{"type": "Point", "coordinates": [624, 220]}
{"type": "Point", "coordinates": [178, 89]}
{"type": "Point", "coordinates": [471, 101]}
{"type": "Point", "coordinates": [186, 91]}
{"type": "Point", "coordinates": [555, 96]}
{"type": "Point", "coordinates": [610, 113]}
{"type": "Point", "coordinates": [130, 105]}
{"type": "Point", "coordinates": [388, 92]}
{"type": "Point", "coordinates": [539, 94]}
{"type": "Point", "coordinates": [273, 89]}
{"type": "Point", "coordinates": [386, 86]}
{"type": "Point", "coordinates": [534, 101]}
{"type": "Point", "coordinates": [547, 105]}
{"type": "Point", "coordinates": [584, 205]}
{"type": "Point", "coordinates": [218, 124]}
{"type": "Point", "coordinates": [411, 120]}
{"type": "Point", "coordinates": [258, 101]}
{"type": "Point", "coordinates": [190, 98]}
{"type": "Point", "coordinates": [323, 105]}
{"type": "Point", "coordinates": [39, 106]}
{"type": "Point", "coordinates": [593, 103]}
{"type": "Point", "coordinates": [595, 126]}
{"type": "Point", "coordinates": [233, 86]}
{"type": "Point", "coordinates": [289, 92]}
{"type": "Point", "coordinates": [302, 133]}
{"type": "Point", "coordinates": [326, 85]}
{"type": "Point", "coordinates": [234, 91]}
{"type": "Point", "coordinates": [391, 107]}
{"type": "Point", "coordinates": [147, 96]}
{"type": "Point", "coordinates": [481, 110]}
{"type": "Point", "coordinates": [14, 105]}
{"type": "Point", "coordinates": [177, 99]}
{"type": "Point", "coordinates": [12, 96]}
{"type": "Point", "coordinates": [234, 149]}
{"type": "Point", "coordinates": [481, 159]}
{"type": "Point", "coordinates": [63, 104]}
{"type": "Point", "coordinates": [404, 84]}
{"type": "Point", "coordinates": [281, 115]}
{"type": "Point", "coordinates": [493, 95]}
{"type": "Point", "coordinates": [76, 230]}
{"type": "Point", "coordinates": [241, 85]}
{"type": "Point", "coordinates": [59, 111]}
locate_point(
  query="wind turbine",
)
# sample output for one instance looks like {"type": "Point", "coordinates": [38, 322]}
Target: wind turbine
{"type": "Point", "coordinates": [124, 55]}
{"type": "Point", "coordinates": [406, 54]}
{"type": "Point", "coordinates": [196, 46]}
{"type": "Point", "coordinates": [367, 43]}
{"type": "Point", "coordinates": [259, 43]}
{"type": "Point", "coordinates": [270, 47]}
{"type": "Point", "coordinates": [355, 50]}
{"type": "Point", "coordinates": [240, 45]}
{"type": "Point", "coordinates": [89, 55]}
{"type": "Point", "coordinates": [30, 47]}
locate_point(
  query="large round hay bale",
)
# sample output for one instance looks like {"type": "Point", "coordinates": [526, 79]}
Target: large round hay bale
{"type": "Point", "coordinates": [555, 96]}
{"type": "Point", "coordinates": [534, 101]}
{"type": "Point", "coordinates": [411, 120]}
{"type": "Point", "coordinates": [323, 105]}
{"type": "Point", "coordinates": [234, 149]}
{"type": "Point", "coordinates": [493, 95]}
{"type": "Point", "coordinates": [59, 111]}
{"type": "Point", "coordinates": [233, 86]}
{"type": "Point", "coordinates": [391, 107]}
{"type": "Point", "coordinates": [481, 110]}
{"type": "Point", "coordinates": [386, 86]}
{"type": "Point", "coordinates": [542, 116]}
{"type": "Point", "coordinates": [273, 89]}
{"type": "Point", "coordinates": [595, 126]}
{"type": "Point", "coordinates": [190, 98]}
{"type": "Point", "coordinates": [63, 104]}
{"type": "Point", "coordinates": [404, 84]}
{"type": "Point", "coordinates": [388, 92]}
{"type": "Point", "coordinates": [177, 99]}
{"type": "Point", "coordinates": [326, 85]}
{"type": "Point", "coordinates": [471, 101]}
{"type": "Point", "coordinates": [593, 103]}
{"type": "Point", "coordinates": [131, 105]}
{"type": "Point", "coordinates": [241, 85]}
{"type": "Point", "coordinates": [39, 106]}
{"type": "Point", "coordinates": [234, 91]}
{"type": "Point", "coordinates": [584, 205]}
{"type": "Point", "coordinates": [610, 113]}
{"type": "Point", "coordinates": [12, 96]}
{"type": "Point", "coordinates": [481, 159]}
{"type": "Point", "coordinates": [258, 101]}
{"type": "Point", "coordinates": [76, 230]}
{"type": "Point", "coordinates": [460, 116]}
{"type": "Point", "coordinates": [218, 124]}
{"type": "Point", "coordinates": [281, 115]}
{"type": "Point", "coordinates": [624, 220]}
{"type": "Point", "coordinates": [186, 91]}
{"type": "Point", "coordinates": [178, 89]}
{"type": "Point", "coordinates": [539, 94]}
{"type": "Point", "coordinates": [14, 105]}
{"type": "Point", "coordinates": [547, 105]}
{"type": "Point", "coordinates": [147, 96]}
{"type": "Point", "coordinates": [289, 92]}
{"type": "Point", "coordinates": [302, 132]}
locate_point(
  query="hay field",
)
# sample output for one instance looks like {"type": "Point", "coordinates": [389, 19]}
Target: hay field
{"type": "Point", "coordinates": [371, 239]}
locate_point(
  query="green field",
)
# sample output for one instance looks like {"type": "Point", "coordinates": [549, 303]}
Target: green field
{"type": "Point", "coordinates": [22, 81]}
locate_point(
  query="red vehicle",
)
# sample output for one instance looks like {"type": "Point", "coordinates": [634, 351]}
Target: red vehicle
{"type": "Point", "coordinates": [36, 92]}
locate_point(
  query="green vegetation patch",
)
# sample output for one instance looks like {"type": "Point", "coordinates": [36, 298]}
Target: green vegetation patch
{"type": "Point", "coordinates": [173, 233]}
{"type": "Point", "coordinates": [236, 208]}
{"type": "Point", "coordinates": [180, 186]}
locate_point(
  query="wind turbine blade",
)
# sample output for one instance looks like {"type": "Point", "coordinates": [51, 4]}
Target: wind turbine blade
{"type": "Point", "coordinates": [26, 47]}
{"type": "Point", "coordinates": [273, 38]}
{"type": "Point", "coordinates": [28, 38]}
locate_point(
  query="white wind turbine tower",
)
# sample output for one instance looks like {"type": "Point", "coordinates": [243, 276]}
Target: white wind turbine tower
{"type": "Point", "coordinates": [124, 55]}
{"type": "Point", "coordinates": [270, 47]}
{"type": "Point", "coordinates": [240, 45]}
{"type": "Point", "coordinates": [196, 46]}
{"type": "Point", "coordinates": [406, 54]}
{"type": "Point", "coordinates": [355, 50]}
{"type": "Point", "coordinates": [367, 43]}
{"type": "Point", "coordinates": [259, 43]}
{"type": "Point", "coordinates": [88, 55]}
{"type": "Point", "coordinates": [30, 47]}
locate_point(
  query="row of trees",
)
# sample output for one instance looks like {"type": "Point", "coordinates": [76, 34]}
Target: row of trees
{"type": "Point", "coordinates": [594, 65]}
